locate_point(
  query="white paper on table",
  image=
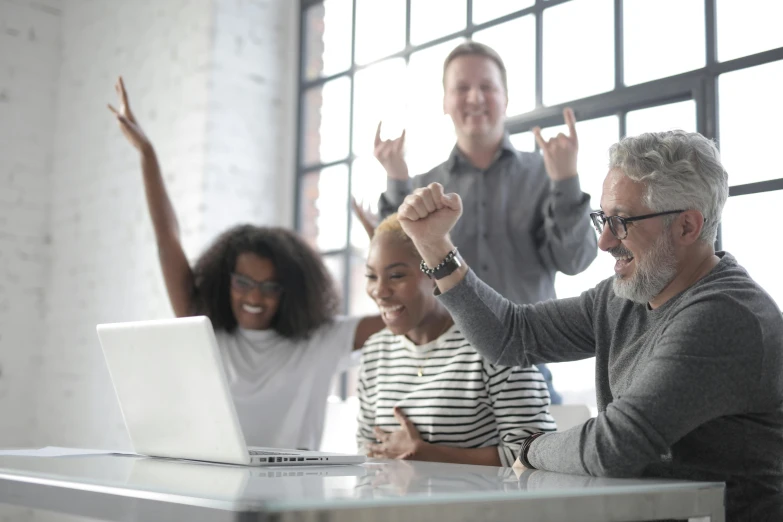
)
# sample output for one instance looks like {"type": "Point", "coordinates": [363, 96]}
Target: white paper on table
{"type": "Point", "coordinates": [56, 451]}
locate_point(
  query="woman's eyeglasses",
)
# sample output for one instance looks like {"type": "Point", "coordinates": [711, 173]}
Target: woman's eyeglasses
{"type": "Point", "coordinates": [245, 285]}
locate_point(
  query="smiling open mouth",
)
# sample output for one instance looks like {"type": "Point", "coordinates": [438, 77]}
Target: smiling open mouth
{"type": "Point", "coordinates": [252, 309]}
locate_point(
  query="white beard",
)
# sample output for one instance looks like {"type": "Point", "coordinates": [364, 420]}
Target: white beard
{"type": "Point", "coordinates": [656, 270]}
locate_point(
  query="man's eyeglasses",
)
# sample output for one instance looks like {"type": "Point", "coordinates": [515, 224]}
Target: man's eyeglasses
{"type": "Point", "coordinates": [618, 224]}
{"type": "Point", "coordinates": [245, 285]}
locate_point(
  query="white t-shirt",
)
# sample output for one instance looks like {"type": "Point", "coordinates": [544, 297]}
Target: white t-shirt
{"type": "Point", "coordinates": [280, 385]}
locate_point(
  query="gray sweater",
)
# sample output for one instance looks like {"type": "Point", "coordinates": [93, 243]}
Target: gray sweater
{"type": "Point", "coordinates": [691, 390]}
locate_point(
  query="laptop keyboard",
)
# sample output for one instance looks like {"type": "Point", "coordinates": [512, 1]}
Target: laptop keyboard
{"type": "Point", "coordinates": [262, 452]}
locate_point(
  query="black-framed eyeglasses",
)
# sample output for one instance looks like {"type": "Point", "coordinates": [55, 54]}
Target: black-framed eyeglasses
{"type": "Point", "coordinates": [618, 224]}
{"type": "Point", "coordinates": [245, 285]}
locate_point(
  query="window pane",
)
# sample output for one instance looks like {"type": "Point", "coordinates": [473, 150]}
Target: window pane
{"type": "Point", "coordinates": [431, 19]}
{"type": "Point", "coordinates": [327, 38]}
{"type": "Point", "coordinates": [367, 184]}
{"type": "Point", "coordinates": [743, 240]}
{"type": "Point", "coordinates": [515, 41]}
{"type": "Point", "coordinates": [486, 10]}
{"type": "Point", "coordinates": [680, 115]}
{"type": "Point", "coordinates": [575, 381]}
{"type": "Point", "coordinates": [361, 304]}
{"type": "Point", "coordinates": [377, 96]}
{"type": "Point", "coordinates": [323, 210]}
{"type": "Point", "coordinates": [380, 29]}
{"type": "Point", "coordinates": [524, 141]}
{"type": "Point", "coordinates": [429, 133]}
{"type": "Point", "coordinates": [748, 27]}
{"type": "Point", "coordinates": [326, 122]}
{"type": "Point", "coordinates": [578, 56]}
{"type": "Point", "coordinates": [335, 264]}
{"type": "Point", "coordinates": [647, 55]}
{"type": "Point", "coordinates": [750, 107]}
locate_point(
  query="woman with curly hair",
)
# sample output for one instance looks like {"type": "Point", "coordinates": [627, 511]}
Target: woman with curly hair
{"type": "Point", "coordinates": [272, 304]}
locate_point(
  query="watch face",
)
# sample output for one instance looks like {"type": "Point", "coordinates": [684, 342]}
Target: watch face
{"type": "Point", "coordinates": [448, 268]}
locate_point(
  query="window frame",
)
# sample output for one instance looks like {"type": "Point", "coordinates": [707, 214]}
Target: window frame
{"type": "Point", "coordinates": [701, 85]}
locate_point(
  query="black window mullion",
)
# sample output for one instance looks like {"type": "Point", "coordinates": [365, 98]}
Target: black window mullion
{"type": "Point", "coordinates": [708, 113]}
{"type": "Point", "coordinates": [407, 26]}
{"type": "Point", "coordinates": [299, 119]}
{"type": "Point", "coordinates": [347, 252]}
{"type": "Point", "coordinates": [710, 87]}
{"type": "Point", "coordinates": [539, 55]}
{"type": "Point", "coordinates": [619, 46]}
{"type": "Point", "coordinates": [622, 117]}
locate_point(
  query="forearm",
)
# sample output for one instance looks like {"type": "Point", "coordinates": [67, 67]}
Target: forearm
{"type": "Point", "coordinates": [620, 442]}
{"type": "Point", "coordinates": [439, 453]}
{"type": "Point", "coordinates": [164, 220]}
{"type": "Point", "coordinates": [570, 243]}
{"type": "Point", "coordinates": [520, 335]}
{"type": "Point", "coordinates": [177, 273]}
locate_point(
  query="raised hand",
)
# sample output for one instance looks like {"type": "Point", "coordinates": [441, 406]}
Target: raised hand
{"type": "Point", "coordinates": [128, 124]}
{"type": "Point", "coordinates": [428, 215]}
{"type": "Point", "coordinates": [365, 216]}
{"type": "Point", "coordinates": [390, 154]}
{"type": "Point", "coordinates": [400, 444]}
{"type": "Point", "coordinates": [561, 151]}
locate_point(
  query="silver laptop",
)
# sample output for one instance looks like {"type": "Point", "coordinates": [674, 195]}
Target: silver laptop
{"type": "Point", "coordinates": [175, 399]}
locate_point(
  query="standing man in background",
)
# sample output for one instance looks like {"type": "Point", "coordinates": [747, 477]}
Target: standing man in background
{"type": "Point", "coordinates": [525, 215]}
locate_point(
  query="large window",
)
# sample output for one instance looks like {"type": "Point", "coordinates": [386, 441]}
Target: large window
{"type": "Point", "coordinates": [616, 62]}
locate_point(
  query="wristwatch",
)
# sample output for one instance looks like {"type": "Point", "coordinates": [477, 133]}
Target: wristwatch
{"type": "Point", "coordinates": [445, 268]}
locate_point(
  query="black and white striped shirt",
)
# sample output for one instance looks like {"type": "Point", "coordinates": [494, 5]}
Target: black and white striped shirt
{"type": "Point", "coordinates": [459, 400]}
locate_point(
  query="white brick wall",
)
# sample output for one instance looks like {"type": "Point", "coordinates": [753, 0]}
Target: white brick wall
{"type": "Point", "coordinates": [249, 175]}
{"type": "Point", "coordinates": [104, 264]}
{"type": "Point", "coordinates": [29, 62]}
{"type": "Point", "coordinates": [213, 83]}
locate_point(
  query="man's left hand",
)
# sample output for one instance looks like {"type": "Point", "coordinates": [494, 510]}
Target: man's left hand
{"type": "Point", "coordinates": [560, 152]}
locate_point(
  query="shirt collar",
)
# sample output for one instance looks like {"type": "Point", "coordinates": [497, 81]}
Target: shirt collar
{"type": "Point", "coordinates": [456, 157]}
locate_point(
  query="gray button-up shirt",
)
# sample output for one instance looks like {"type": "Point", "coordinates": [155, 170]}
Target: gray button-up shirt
{"type": "Point", "coordinates": [518, 227]}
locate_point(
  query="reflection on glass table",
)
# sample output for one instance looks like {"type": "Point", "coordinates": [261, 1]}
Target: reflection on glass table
{"type": "Point", "coordinates": [126, 488]}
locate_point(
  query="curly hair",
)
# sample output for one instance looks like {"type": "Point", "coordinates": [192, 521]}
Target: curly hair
{"type": "Point", "coordinates": [308, 300]}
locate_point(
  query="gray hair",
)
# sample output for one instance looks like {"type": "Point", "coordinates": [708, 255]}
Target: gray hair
{"type": "Point", "coordinates": [680, 170]}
